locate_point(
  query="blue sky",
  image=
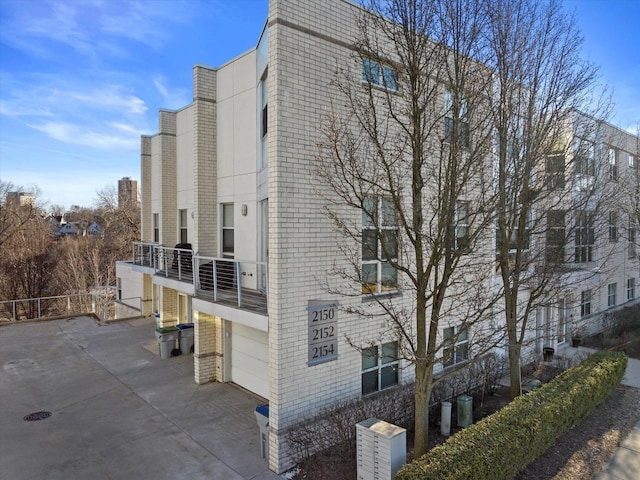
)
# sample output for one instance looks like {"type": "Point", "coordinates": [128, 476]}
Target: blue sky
{"type": "Point", "coordinates": [80, 81]}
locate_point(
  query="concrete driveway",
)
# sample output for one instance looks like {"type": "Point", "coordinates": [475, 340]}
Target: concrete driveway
{"type": "Point", "coordinates": [117, 410]}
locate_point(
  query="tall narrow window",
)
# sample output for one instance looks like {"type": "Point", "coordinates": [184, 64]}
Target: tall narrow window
{"type": "Point", "coordinates": [562, 320]}
{"type": "Point", "coordinates": [182, 215]}
{"type": "Point", "coordinates": [613, 226]}
{"type": "Point", "coordinates": [585, 160]}
{"type": "Point", "coordinates": [462, 226]}
{"type": "Point", "coordinates": [585, 303]}
{"type": "Point", "coordinates": [612, 289]}
{"type": "Point", "coordinates": [264, 118]}
{"type": "Point", "coordinates": [456, 346]}
{"type": "Point", "coordinates": [379, 245]}
{"type": "Point", "coordinates": [613, 164]}
{"type": "Point", "coordinates": [379, 367]}
{"type": "Point", "coordinates": [156, 228]}
{"type": "Point", "coordinates": [555, 236]}
{"type": "Point", "coordinates": [584, 236]}
{"type": "Point", "coordinates": [631, 288]}
{"type": "Point", "coordinates": [632, 161]}
{"type": "Point", "coordinates": [555, 171]}
{"type": "Point", "coordinates": [228, 240]}
{"type": "Point", "coordinates": [456, 113]}
{"type": "Point", "coordinates": [631, 237]}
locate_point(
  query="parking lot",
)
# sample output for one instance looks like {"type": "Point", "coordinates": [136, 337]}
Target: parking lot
{"type": "Point", "coordinates": [117, 410]}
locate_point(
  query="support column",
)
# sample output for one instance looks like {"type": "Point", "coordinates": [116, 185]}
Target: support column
{"type": "Point", "coordinates": [208, 348]}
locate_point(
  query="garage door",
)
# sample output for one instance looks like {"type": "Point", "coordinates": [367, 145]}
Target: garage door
{"type": "Point", "coordinates": [249, 359]}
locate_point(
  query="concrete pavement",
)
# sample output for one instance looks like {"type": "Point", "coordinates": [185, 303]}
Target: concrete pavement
{"type": "Point", "coordinates": [625, 462]}
{"type": "Point", "coordinates": [117, 410]}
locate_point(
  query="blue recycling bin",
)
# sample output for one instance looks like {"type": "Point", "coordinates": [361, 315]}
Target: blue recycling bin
{"type": "Point", "coordinates": [185, 337]}
{"type": "Point", "coordinates": [262, 417]}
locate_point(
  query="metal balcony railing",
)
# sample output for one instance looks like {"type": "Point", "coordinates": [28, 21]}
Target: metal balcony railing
{"type": "Point", "coordinates": [174, 263]}
{"type": "Point", "coordinates": [69, 305]}
{"type": "Point", "coordinates": [237, 283]}
{"type": "Point", "coordinates": [144, 254]}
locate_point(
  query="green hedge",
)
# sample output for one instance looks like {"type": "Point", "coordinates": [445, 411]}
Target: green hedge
{"type": "Point", "coordinates": [499, 446]}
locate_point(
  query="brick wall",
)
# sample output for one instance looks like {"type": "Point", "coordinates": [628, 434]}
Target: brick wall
{"type": "Point", "coordinates": [208, 348]}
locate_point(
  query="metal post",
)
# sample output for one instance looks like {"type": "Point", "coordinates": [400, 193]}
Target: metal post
{"type": "Point", "coordinates": [15, 317]}
{"type": "Point", "coordinates": [236, 266]}
{"type": "Point", "coordinates": [39, 311]}
{"type": "Point", "coordinates": [214, 271]}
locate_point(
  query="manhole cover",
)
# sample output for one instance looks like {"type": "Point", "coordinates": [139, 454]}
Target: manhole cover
{"type": "Point", "coordinates": [33, 417]}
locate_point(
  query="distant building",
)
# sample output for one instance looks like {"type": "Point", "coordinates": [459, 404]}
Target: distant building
{"type": "Point", "coordinates": [20, 198]}
{"type": "Point", "coordinates": [127, 192]}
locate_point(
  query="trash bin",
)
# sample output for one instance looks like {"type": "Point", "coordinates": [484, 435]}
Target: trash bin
{"type": "Point", "coordinates": [547, 353]}
{"type": "Point", "coordinates": [167, 337]}
{"type": "Point", "coordinates": [185, 337]}
{"type": "Point", "coordinates": [262, 417]}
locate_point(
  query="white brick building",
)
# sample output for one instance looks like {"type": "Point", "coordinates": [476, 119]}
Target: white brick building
{"type": "Point", "coordinates": [234, 238]}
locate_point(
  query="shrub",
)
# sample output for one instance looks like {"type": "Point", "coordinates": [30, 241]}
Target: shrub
{"type": "Point", "coordinates": [501, 445]}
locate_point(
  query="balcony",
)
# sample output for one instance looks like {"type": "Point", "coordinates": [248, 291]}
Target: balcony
{"type": "Point", "coordinates": [175, 263]}
{"type": "Point", "coordinates": [144, 254]}
{"type": "Point", "coordinates": [235, 283]}
{"type": "Point", "coordinates": [226, 281]}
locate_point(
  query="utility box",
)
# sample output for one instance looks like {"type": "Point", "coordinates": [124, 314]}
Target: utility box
{"type": "Point", "coordinates": [465, 411]}
{"type": "Point", "coordinates": [262, 417]}
{"type": "Point", "coordinates": [382, 449]}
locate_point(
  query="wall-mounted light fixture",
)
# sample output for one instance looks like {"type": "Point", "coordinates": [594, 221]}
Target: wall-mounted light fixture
{"type": "Point", "coordinates": [243, 210]}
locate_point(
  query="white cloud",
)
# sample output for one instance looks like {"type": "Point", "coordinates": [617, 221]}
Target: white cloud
{"type": "Point", "coordinates": [173, 98]}
{"type": "Point", "coordinates": [102, 137]}
{"type": "Point", "coordinates": [90, 28]}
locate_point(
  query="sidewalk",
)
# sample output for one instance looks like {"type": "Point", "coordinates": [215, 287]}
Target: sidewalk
{"type": "Point", "coordinates": [625, 462]}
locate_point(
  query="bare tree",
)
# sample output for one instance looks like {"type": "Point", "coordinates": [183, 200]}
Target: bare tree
{"type": "Point", "coordinates": [121, 222]}
{"type": "Point", "coordinates": [548, 186]}
{"type": "Point", "coordinates": [14, 213]}
{"type": "Point", "coordinates": [27, 264]}
{"type": "Point", "coordinates": [405, 162]}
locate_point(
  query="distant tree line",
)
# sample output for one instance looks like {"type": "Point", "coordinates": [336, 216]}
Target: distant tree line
{"type": "Point", "coordinates": [36, 263]}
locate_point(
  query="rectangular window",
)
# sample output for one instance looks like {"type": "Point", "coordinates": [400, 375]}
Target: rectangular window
{"type": "Point", "coordinates": [379, 367]}
{"type": "Point", "coordinates": [555, 179]}
{"type": "Point", "coordinates": [613, 164]}
{"type": "Point", "coordinates": [585, 303]}
{"type": "Point", "coordinates": [631, 288]}
{"type": "Point", "coordinates": [584, 166]}
{"type": "Point", "coordinates": [584, 236]}
{"type": "Point", "coordinates": [119, 288]}
{"type": "Point", "coordinates": [611, 294]}
{"type": "Point", "coordinates": [555, 236]}
{"type": "Point", "coordinates": [456, 113]}
{"type": "Point", "coordinates": [631, 237]}
{"type": "Point", "coordinates": [461, 219]}
{"type": "Point", "coordinates": [228, 240]}
{"type": "Point", "coordinates": [632, 161]}
{"type": "Point", "coordinates": [182, 216]}
{"type": "Point", "coordinates": [379, 75]}
{"type": "Point", "coordinates": [613, 226]}
{"type": "Point", "coordinates": [156, 228]}
{"type": "Point", "coordinates": [456, 346]}
{"type": "Point", "coordinates": [263, 101]}
{"type": "Point", "coordinates": [263, 118]}
{"type": "Point", "coordinates": [379, 245]}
